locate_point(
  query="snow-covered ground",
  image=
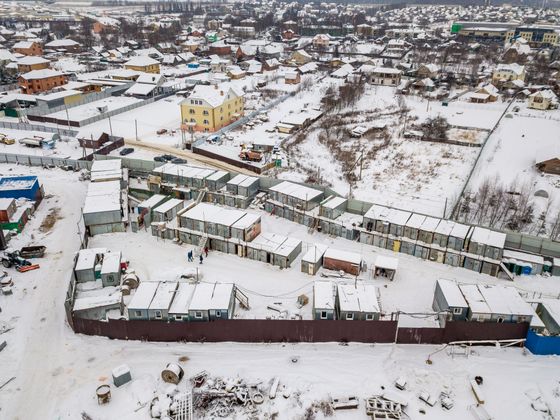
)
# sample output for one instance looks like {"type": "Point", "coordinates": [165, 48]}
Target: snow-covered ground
{"type": "Point", "coordinates": [56, 372]}
{"type": "Point", "coordinates": [82, 112]}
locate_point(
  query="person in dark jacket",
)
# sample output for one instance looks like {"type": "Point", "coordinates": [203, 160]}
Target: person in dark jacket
{"type": "Point", "coordinates": [201, 258]}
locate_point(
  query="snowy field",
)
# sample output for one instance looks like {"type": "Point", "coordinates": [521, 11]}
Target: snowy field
{"type": "Point", "coordinates": [512, 152]}
{"type": "Point", "coordinates": [82, 112]}
{"type": "Point", "coordinates": [56, 372]}
{"type": "Point", "coordinates": [66, 148]}
{"type": "Point", "coordinates": [411, 174]}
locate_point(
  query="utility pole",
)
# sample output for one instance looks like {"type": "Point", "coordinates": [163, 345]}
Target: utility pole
{"type": "Point", "coordinates": [136, 128]}
{"type": "Point", "coordinates": [110, 126]}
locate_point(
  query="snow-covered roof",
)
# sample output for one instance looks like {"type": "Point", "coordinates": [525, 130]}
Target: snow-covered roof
{"type": "Point", "coordinates": [141, 89]}
{"type": "Point", "coordinates": [274, 243]}
{"type": "Point", "coordinates": [297, 191]}
{"type": "Point", "coordinates": [333, 202]}
{"type": "Point", "coordinates": [87, 257]}
{"type": "Point", "coordinates": [92, 302]}
{"type": "Point", "coordinates": [552, 306]}
{"type": "Point", "coordinates": [359, 298]}
{"type": "Point", "coordinates": [211, 296]}
{"type": "Point", "coordinates": [30, 60]}
{"type": "Point", "coordinates": [154, 200]}
{"type": "Point", "coordinates": [246, 221]}
{"type": "Point", "coordinates": [340, 255]}
{"type": "Point", "coordinates": [314, 253]}
{"type": "Point", "coordinates": [514, 68]}
{"type": "Point", "coordinates": [505, 300]}
{"type": "Point", "coordinates": [168, 205]}
{"type": "Point", "coordinates": [488, 237]}
{"type": "Point", "coordinates": [474, 298]}
{"type": "Point", "coordinates": [520, 258]}
{"type": "Point", "coordinates": [163, 296]}
{"type": "Point", "coordinates": [206, 212]}
{"type": "Point", "coordinates": [182, 299]}
{"type": "Point", "coordinates": [323, 295]}
{"type": "Point", "coordinates": [389, 263]}
{"type": "Point", "coordinates": [143, 296]}
{"type": "Point", "coordinates": [415, 221]}
{"type": "Point", "coordinates": [459, 231]}
{"type": "Point", "coordinates": [111, 263]}
{"type": "Point", "coordinates": [429, 224]}
{"type": "Point", "coordinates": [452, 294]}
{"type": "Point", "coordinates": [141, 61]}
{"type": "Point", "coordinates": [216, 176]}
{"type": "Point", "coordinates": [214, 95]}
{"type": "Point", "coordinates": [59, 43]}
{"type": "Point", "coordinates": [41, 74]}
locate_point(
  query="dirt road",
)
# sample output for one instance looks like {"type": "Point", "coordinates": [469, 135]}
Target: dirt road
{"type": "Point", "coordinates": [214, 163]}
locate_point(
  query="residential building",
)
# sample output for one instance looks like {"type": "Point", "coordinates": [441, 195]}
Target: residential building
{"type": "Point", "coordinates": [32, 62]}
{"type": "Point", "coordinates": [28, 48]}
{"type": "Point", "coordinates": [537, 35]}
{"type": "Point", "coordinates": [64, 45]}
{"type": "Point", "coordinates": [43, 80]}
{"type": "Point", "coordinates": [543, 100]}
{"type": "Point", "coordinates": [507, 73]}
{"type": "Point", "coordinates": [357, 302]}
{"type": "Point", "coordinates": [209, 108]}
{"type": "Point", "coordinates": [143, 63]}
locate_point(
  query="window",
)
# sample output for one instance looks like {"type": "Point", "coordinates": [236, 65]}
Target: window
{"type": "Point", "coordinates": [323, 314]}
{"type": "Point", "coordinates": [369, 317]}
{"type": "Point", "coordinates": [480, 318]}
{"type": "Point", "coordinates": [193, 120]}
{"type": "Point", "coordinates": [192, 102]}
{"type": "Point", "coordinates": [191, 111]}
{"type": "Point", "coordinates": [198, 315]}
{"type": "Point", "coordinates": [206, 122]}
{"type": "Point", "coordinates": [500, 320]}
{"type": "Point", "coordinates": [158, 315]}
{"type": "Point", "coordinates": [457, 311]}
{"type": "Point", "coordinates": [138, 314]}
{"type": "Point", "coordinates": [205, 112]}
{"type": "Point", "coordinates": [178, 317]}
{"type": "Point", "coordinates": [218, 314]}
{"type": "Point", "coordinates": [349, 317]}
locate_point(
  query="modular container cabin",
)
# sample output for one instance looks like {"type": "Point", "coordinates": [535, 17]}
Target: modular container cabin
{"type": "Point", "coordinates": [97, 307]}
{"type": "Point", "coordinates": [7, 209]}
{"type": "Point", "coordinates": [106, 170]}
{"type": "Point", "coordinates": [296, 195]}
{"type": "Point", "coordinates": [324, 300]}
{"type": "Point", "coordinates": [217, 180]}
{"type": "Point", "coordinates": [212, 301]}
{"type": "Point", "coordinates": [448, 298]}
{"type": "Point", "coordinates": [385, 267]}
{"type": "Point", "coordinates": [103, 211]}
{"type": "Point", "coordinates": [145, 207]}
{"type": "Point", "coordinates": [458, 237]}
{"type": "Point", "coordinates": [182, 175]}
{"type": "Point", "coordinates": [427, 230]}
{"type": "Point", "coordinates": [312, 260]}
{"type": "Point", "coordinates": [548, 311]}
{"type": "Point", "coordinates": [111, 269]}
{"type": "Point", "coordinates": [506, 304]}
{"type": "Point", "coordinates": [522, 263]}
{"type": "Point", "coordinates": [179, 309]}
{"type": "Point", "coordinates": [274, 249]}
{"type": "Point", "coordinates": [159, 306]}
{"type": "Point", "coordinates": [374, 215]}
{"type": "Point", "coordinates": [167, 211]}
{"type": "Point", "coordinates": [442, 232]}
{"type": "Point", "coordinates": [336, 259]}
{"type": "Point", "coordinates": [27, 187]}
{"type": "Point", "coordinates": [357, 302]}
{"type": "Point", "coordinates": [333, 207]}
{"type": "Point", "coordinates": [478, 308]}
{"type": "Point", "coordinates": [86, 263]}
{"type": "Point", "coordinates": [412, 226]}
{"type": "Point", "coordinates": [139, 304]}
{"type": "Point", "coordinates": [397, 220]}
{"type": "Point", "coordinates": [487, 243]}
{"type": "Point", "coordinates": [247, 228]}
{"type": "Point", "coordinates": [243, 185]}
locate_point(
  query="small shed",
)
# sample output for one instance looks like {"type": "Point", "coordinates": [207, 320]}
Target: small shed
{"type": "Point", "coordinates": [324, 300]}
{"type": "Point", "coordinates": [274, 249]}
{"type": "Point", "coordinates": [442, 232]}
{"type": "Point", "coordinates": [296, 195]}
{"type": "Point", "coordinates": [332, 207]}
{"type": "Point", "coordinates": [96, 307]}
{"type": "Point", "coordinates": [397, 220]}
{"type": "Point", "coordinates": [7, 209]}
{"type": "Point", "coordinates": [523, 263]}
{"type": "Point", "coordinates": [458, 237]}
{"type": "Point", "coordinates": [212, 301]}
{"type": "Point", "coordinates": [336, 259]}
{"type": "Point", "coordinates": [141, 300]}
{"type": "Point", "coordinates": [312, 260]}
{"type": "Point", "coordinates": [21, 187]}
{"type": "Point", "coordinates": [412, 226]}
{"type": "Point", "coordinates": [111, 269]}
{"type": "Point", "coordinates": [357, 302]}
{"type": "Point", "coordinates": [217, 180]}
{"type": "Point", "coordinates": [159, 306]}
{"type": "Point", "coordinates": [426, 231]}
{"type": "Point", "coordinates": [86, 263]}
{"type": "Point", "coordinates": [167, 211]}
{"type": "Point", "coordinates": [150, 203]}
{"type": "Point", "coordinates": [179, 309]}
{"type": "Point", "coordinates": [448, 298]}
{"type": "Point", "coordinates": [385, 266]}
{"type": "Point", "coordinates": [244, 185]}
{"type": "Point", "coordinates": [478, 308]}
{"type": "Point", "coordinates": [549, 312]}
{"type": "Point", "coordinates": [247, 228]}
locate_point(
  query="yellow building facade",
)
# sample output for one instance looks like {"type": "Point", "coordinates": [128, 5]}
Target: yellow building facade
{"type": "Point", "coordinates": [210, 108]}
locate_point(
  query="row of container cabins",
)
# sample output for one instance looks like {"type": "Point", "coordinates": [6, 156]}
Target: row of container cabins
{"type": "Point", "coordinates": [445, 241]}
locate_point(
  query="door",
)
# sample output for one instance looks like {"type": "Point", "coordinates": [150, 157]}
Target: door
{"type": "Point", "coordinates": [310, 269]}
{"type": "Point", "coordinates": [396, 246]}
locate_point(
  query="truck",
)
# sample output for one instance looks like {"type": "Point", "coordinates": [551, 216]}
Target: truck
{"type": "Point", "coordinates": [250, 155]}
{"type": "Point", "coordinates": [34, 141]}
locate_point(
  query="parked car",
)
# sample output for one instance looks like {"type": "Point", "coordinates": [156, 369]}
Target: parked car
{"type": "Point", "coordinates": [179, 161]}
{"type": "Point", "coordinates": [126, 151]}
{"type": "Point", "coordinates": [159, 159]}
{"type": "Point", "coordinates": [168, 158]}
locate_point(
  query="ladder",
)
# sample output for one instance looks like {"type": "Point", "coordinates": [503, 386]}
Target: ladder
{"type": "Point", "coordinates": [505, 270]}
{"type": "Point", "coordinates": [200, 196]}
{"type": "Point", "coordinates": [313, 227]}
{"type": "Point", "coordinates": [242, 298]}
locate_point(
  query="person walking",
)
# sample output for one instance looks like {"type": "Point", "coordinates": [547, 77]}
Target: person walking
{"type": "Point", "coordinates": [190, 256]}
{"type": "Point", "coordinates": [206, 251]}
{"type": "Point", "coordinates": [201, 258]}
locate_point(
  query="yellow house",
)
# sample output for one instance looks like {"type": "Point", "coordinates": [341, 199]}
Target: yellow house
{"type": "Point", "coordinates": [543, 100]}
{"type": "Point", "coordinates": [209, 108]}
{"type": "Point", "coordinates": [142, 63]}
{"type": "Point", "coordinates": [508, 73]}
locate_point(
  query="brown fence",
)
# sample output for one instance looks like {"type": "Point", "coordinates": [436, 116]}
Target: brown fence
{"type": "Point", "coordinates": [233, 162]}
{"type": "Point", "coordinates": [310, 331]}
